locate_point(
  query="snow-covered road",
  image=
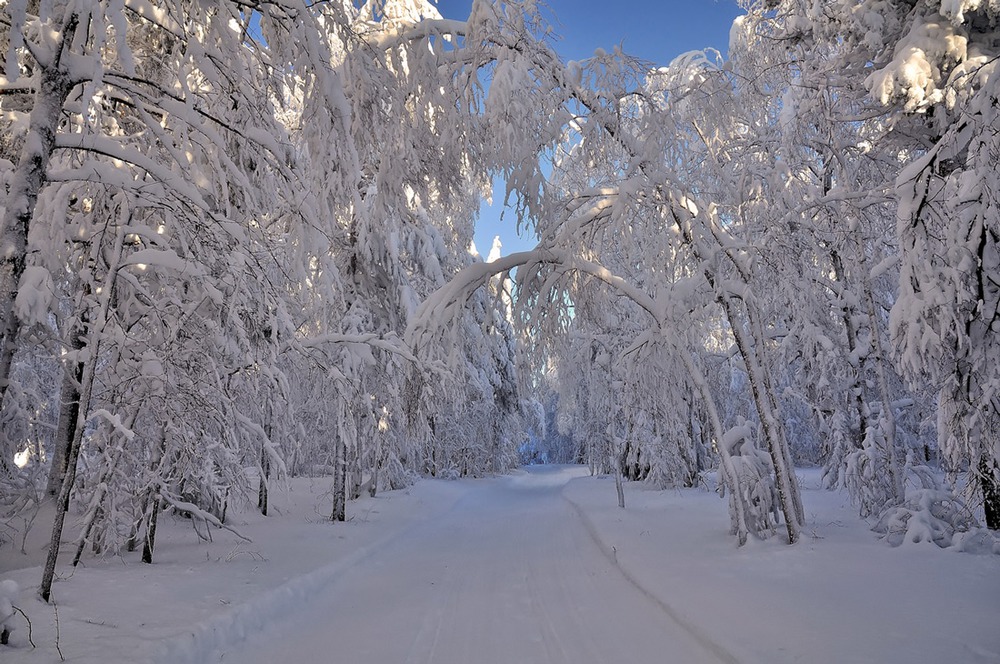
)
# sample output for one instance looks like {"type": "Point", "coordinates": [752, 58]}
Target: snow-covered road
{"type": "Point", "coordinates": [510, 574]}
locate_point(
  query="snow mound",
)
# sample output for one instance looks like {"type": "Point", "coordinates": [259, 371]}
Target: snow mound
{"type": "Point", "coordinates": [9, 591]}
{"type": "Point", "coordinates": [935, 515]}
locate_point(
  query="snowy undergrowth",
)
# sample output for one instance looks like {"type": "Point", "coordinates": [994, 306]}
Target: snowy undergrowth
{"type": "Point", "coordinates": [201, 596]}
{"type": "Point", "coordinates": [840, 595]}
{"type": "Point", "coordinates": [937, 516]}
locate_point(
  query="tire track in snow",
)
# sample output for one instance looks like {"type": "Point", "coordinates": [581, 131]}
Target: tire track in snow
{"type": "Point", "coordinates": [229, 629]}
{"type": "Point", "coordinates": [429, 635]}
{"type": "Point", "coordinates": [699, 635]}
{"type": "Point", "coordinates": [548, 629]}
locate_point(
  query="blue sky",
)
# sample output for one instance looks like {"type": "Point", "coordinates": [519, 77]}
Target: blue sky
{"type": "Point", "coordinates": [657, 31]}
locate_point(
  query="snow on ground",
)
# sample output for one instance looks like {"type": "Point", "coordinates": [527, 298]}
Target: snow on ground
{"type": "Point", "coordinates": [198, 595]}
{"type": "Point", "coordinates": [509, 575]}
{"type": "Point", "coordinates": [841, 595]}
{"type": "Point", "coordinates": [539, 566]}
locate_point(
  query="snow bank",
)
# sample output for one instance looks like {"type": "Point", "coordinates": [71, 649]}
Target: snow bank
{"type": "Point", "coordinates": [202, 597]}
{"type": "Point", "coordinates": [231, 627]}
{"type": "Point", "coordinates": [840, 595]}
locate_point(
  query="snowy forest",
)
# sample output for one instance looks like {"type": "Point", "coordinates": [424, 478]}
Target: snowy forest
{"type": "Point", "coordinates": [236, 250]}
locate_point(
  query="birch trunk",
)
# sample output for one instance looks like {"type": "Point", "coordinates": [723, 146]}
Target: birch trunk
{"type": "Point", "coordinates": [340, 473]}
{"type": "Point", "coordinates": [729, 475]}
{"type": "Point", "coordinates": [265, 463]}
{"type": "Point", "coordinates": [752, 350]}
{"type": "Point", "coordinates": [73, 454]}
{"type": "Point", "coordinates": [791, 508]}
{"type": "Point", "coordinates": [30, 175]}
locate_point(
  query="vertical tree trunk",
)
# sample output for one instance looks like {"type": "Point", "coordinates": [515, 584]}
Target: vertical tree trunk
{"type": "Point", "coordinates": [150, 540]}
{"type": "Point", "coordinates": [340, 482]}
{"type": "Point", "coordinates": [133, 538]}
{"type": "Point", "coordinates": [153, 499]}
{"type": "Point", "coordinates": [340, 471]}
{"type": "Point", "coordinates": [753, 352]}
{"type": "Point", "coordinates": [619, 485]}
{"type": "Point", "coordinates": [265, 463]}
{"type": "Point", "coordinates": [69, 408]}
{"type": "Point", "coordinates": [265, 472]}
{"type": "Point", "coordinates": [788, 481]}
{"type": "Point", "coordinates": [434, 446]}
{"type": "Point", "coordinates": [62, 502]}
{"type": "Point", "coordinates": [991, 492]}
{"type": "Point", "coordinates": [83, 405]}
{"type": "Point", "coordinates": [94, 510]}
{"type": "Point", "coordinates": [355, 465]}
{"type": "Point", "coordinates": [376, 464]}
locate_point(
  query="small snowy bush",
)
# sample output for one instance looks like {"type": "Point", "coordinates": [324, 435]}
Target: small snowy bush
{"type": "Point", "coordinates": [9, 591]}
{"type": "Point", "coordinates": [935, 515]}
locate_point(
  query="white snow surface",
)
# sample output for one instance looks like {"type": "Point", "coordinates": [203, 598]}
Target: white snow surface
{"type": "Point", "coordinates": [538, 566]}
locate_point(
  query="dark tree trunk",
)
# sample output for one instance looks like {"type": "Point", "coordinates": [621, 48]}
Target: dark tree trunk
{"type": "Point", "coordinates": [340, 480]}
{"type": "Point", "coordinates": [62, 506]}
{"type": "Point", "coordinates": [265, 473]}
{"type": "Point", "coordinates": [69, 411]}
{"type": "Point", "coordinates": [991, 493]}
{"type": "Point", "coordinates": [150, 541]}
{"type": "Point", "coordinates": [265, 463]}
{"type": "Point", "coordinates": [154, 501]}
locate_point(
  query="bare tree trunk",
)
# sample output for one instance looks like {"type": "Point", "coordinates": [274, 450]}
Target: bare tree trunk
{"type": "Point", "coordinates": [340, 481]}
{"type": "Point", "coordinates": [791, 508]}
{"type": "Point", "coordinates": [62, 502]}
{"type": "Point", "coordinates": [150, 540]}
{"type": "Point", "coordinates": [376, 464]}
{"type": "Point", "coordinates": [340, 471]}
{"type": "Point", "coordinates": [991, 492]}
{"type": "Point", "coordinates": [729, 475]}
{"type": "Point", "coordinates": [355, 464]}
{"type": "Point", "coordinates": [265, 472]}
{"type": "Point", "coordinates": [619, 485]}
{"type": "Point", "coordinates": [265, 464]}
{"type": "Point", "coordinates": [69, 406]}
{"type": "Point", "coordinates": [153, 499]}
{"type": "Point", "coordinates": [133, 538]}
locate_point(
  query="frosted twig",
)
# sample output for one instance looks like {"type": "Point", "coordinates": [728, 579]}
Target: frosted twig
{"type": "Point", "coordinates": [55, 608]}
{"type": "Point", "coordinates": [27, 620]}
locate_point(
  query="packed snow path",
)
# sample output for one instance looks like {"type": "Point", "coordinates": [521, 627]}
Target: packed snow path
{"type": "Point", "coordinates": [510, 574]}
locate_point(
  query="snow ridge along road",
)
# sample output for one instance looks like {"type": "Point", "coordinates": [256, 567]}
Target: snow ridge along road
{"type": "Point", "coordinates": [512, 573]}
{"type": "Point", "coordinates": [697, 634]}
